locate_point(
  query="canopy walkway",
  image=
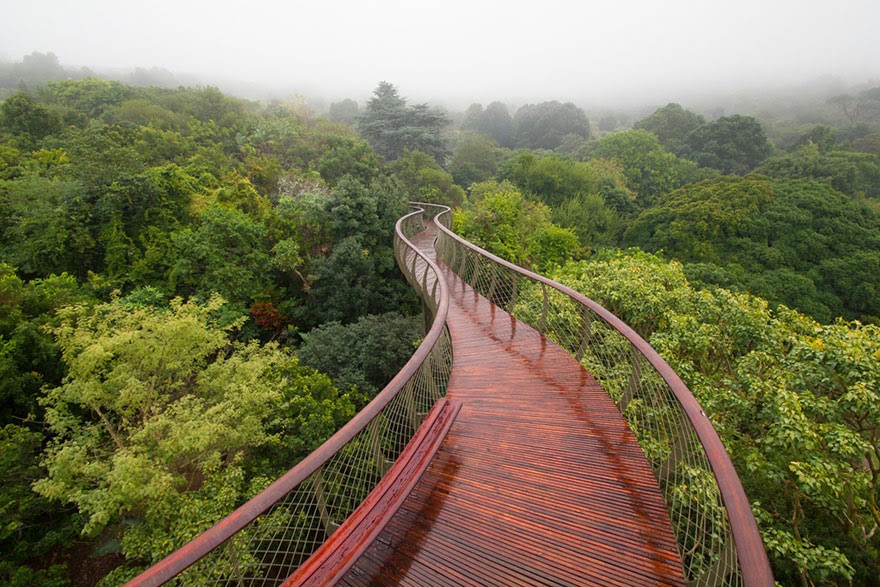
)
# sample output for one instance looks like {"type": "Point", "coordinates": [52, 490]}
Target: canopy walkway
{"type": "Point", "coordinates": [533, 439]}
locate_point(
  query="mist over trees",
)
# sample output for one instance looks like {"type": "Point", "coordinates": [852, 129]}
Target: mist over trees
{"type": "Point", "coordinates": [493, 122]}
{"type": "Point", "coordinates": [728, 215]}
{"type": "Point", "coordinates": [193, 287]}
{"type": "Point", "coordinates": [548, 124]}
{"type": "Point", "coordinates": [161, 251]}
{"type": "Point", "coordinates": [391, 127]}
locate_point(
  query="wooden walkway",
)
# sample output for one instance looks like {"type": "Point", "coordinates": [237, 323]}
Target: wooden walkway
{"type": "Point", "coordinates": [539, 482]}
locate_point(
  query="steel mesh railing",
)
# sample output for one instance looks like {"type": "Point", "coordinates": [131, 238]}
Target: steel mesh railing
{"type": "Point", "coordinates": [266, 539]}
{"type": "Point", "coordinates": [718, 537]}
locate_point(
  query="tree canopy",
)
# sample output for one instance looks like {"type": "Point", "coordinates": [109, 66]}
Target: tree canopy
{"type": "Point", "coordinates": [795, 403]}
{"type": "Point", "coordinates": [672, 124]}
{"type": "Point", "coordinates": [731, 144]}
{"type": "Point", "coordinates": [493, 122]}
{"type": "Point", "coordinates": [499, 218]}
{"type": "Point", "coordinates": [545, 125]}
{"type": "Point", "coordinates": [391, 127]}
{"type": "Point", "coordinates": [125, 215]}
{"type": "Point", "coordinates": [174, 263]}
{"type": "Point", "coordinates": [172, 403]}
{"type": "Point", "coordinates": [650, 170]}
{"type": "Point", "coordinates": [790, 241]}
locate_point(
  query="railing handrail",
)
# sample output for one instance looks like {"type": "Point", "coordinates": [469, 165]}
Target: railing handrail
{"type": "Point", "coordinates": [754, 563]}
{"type": "Point", "coordinates": [202, 545]}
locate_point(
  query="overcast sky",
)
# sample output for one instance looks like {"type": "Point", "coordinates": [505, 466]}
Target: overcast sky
{"type": "Point", "coordinates": [462, 51]}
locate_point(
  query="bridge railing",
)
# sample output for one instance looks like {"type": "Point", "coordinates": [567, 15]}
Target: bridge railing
{"type": "Point", "coordinates": [270, 536]}
{"type": "Point", "coordinates": [718, 537]}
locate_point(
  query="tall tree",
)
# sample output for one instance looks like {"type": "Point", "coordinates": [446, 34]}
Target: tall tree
{"type": "Point", "coordinates": [367, 353]}
{"type": "Point", "coordinates": [864, 107]}
{"type": "Point", "coordinates": [426, 181]}
{"type": "Point", "coordinates": [391, 127]}
{"type": "Point", "coordinates": [500, 218]}
{"type": "Point", "coordinates": [551, 178]}
{"type": "Point", "coordinates": [854, 174]}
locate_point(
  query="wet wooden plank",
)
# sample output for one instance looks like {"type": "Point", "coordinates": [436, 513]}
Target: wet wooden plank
{"type": "Point", "coordinates": [353, 537]}
{"type": "Point", "coordinates": [538, 482]}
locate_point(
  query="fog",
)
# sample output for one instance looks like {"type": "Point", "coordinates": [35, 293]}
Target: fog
{"type": "Point", "coordinates": [461, 51]}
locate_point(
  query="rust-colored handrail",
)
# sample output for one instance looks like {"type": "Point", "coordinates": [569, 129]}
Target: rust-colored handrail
{"type": "Point", "coordinates": [499, 280]}
{"type": "Point", "coordinates": [366, 442]}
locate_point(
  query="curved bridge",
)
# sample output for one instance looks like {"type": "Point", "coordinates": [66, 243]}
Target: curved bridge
{"type": "Point", "coordinates": [532, 439]}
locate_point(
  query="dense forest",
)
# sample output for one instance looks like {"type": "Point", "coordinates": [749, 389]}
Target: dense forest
{"type": "Point", "coordinates": [197, 290]}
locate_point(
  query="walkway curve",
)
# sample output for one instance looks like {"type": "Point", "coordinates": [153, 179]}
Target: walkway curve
{"type": "Point", "coordinates": [530, 475]}
{"type": "Point", "coordinates": [539, 482]}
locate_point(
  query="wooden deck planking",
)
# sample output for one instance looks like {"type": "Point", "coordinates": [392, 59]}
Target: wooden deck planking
{"type": "Point", "coordinates": [539, 481]}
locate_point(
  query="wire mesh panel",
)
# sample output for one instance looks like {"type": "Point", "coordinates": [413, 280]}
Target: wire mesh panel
{"type": "Point", "coordinates": [265, 540]}
{"type": "Point", "coordinates": [718, 538]}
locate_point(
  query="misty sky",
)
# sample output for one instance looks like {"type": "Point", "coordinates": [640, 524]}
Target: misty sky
{"type": "Point", "coordinates": [463, 50]}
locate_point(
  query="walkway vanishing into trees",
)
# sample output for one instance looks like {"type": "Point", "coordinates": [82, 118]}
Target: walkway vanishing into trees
{"type": "Point", "coordinates": [539, 480]}
{"type": "Point", "coordinates": [533, 439]}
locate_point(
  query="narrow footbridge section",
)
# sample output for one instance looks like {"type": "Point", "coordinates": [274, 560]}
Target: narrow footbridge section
{"type": "Point", "coordinates": [533, 439]}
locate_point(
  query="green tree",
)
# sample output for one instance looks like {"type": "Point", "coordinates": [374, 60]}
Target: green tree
{"type": "Point", "coordinates": [27, 121]}
{"type": "Point", "coordinates": [544, 125]}
{"type": "Point", "coordinates": [391, 127]}
{"type": "Point", "coordinates": [34, 69]}
{"type": "Point", "coordinates": [91, 97]}
{"type": "Point", "coordinates": [365, 210]}
{"type": "Point", "coordinates": [650, 170]}
{"type": "Point", "coordinates": [227, 252]}
{"type": "Point", "coordinates": [348, 157]}
{"type": "Point", "coordinates": [493, 122]}
{"type": "Point", "coordinates": [28, 357]}
{"type": "Point", "coordinates": [358, 276]}
{"type": "Point", "coordinates": [158, 415]}
{"type": "Point", "coordinates": [590, 218]}
{"type": "Point", "coordinates": [475, 159]}
{"type": "Point", "coordinates": [354, 281]}
{"type": "Point", "coordinates": [425, 181]}
{"type": "Point", "coordinates": [821, 136]}
{"type": "Point", "coordinates": [609, 180]}
{"type": "Point", "coordinates": [863, 107]}
{"type": "Point", "coordinates": [731, 144]}
{"type": "Point", "coordinates": [608, 123]}
{"type": "Point", "coordinates": [854, 174]}
{"type": "Point", "coordinates": [47, 227]}
{"type": "Point", "coordinates": [31, 527]}
{"type": "Point", "coordinates": [366, 353]}
{"type": "Point", "coordinates": [867, 144]}
{"type": "Point", "coordinates": [671, 124]}
{"type": "Point", "coordinates": [344, 111]}
{"type": "Point", "coordinates": [756, 227]}
{"type": "Point", "coordinates": [550, 178]}
{"type": "Point", "coordinates": [499, 218]}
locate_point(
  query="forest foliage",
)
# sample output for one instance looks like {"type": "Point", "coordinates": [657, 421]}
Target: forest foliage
{"type": "Point", "coordinates": [165, 254]}
{"type": "Point", "coordinates": [759, 288]}
{"type": "Point", "coordinates": [196, 290]}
